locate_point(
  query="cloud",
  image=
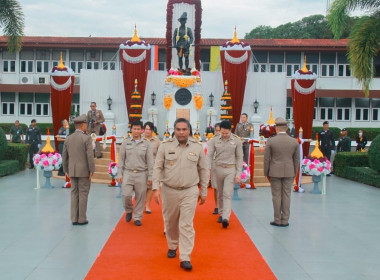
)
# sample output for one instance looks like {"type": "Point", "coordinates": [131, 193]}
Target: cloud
{"type": "Point", "coordinates": [117, 18]}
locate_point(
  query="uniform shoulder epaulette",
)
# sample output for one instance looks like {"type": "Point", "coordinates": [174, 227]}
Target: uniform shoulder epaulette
{"type": "Point", "coordinates": [234, 135]}
{"type": "Point", "coordinates": [167, 141]}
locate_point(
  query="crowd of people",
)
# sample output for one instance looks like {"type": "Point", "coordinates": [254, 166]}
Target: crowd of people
{"type": "Point", "coordinates": [151, 168]}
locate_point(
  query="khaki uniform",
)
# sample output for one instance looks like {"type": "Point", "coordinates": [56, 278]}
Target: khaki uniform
{"type": "Point", "coordinates": [281, 162]}
{"type": "Point", "coordinates": [135, 167]}
{"type": "Point", "coordinates": [228, 164]}
{"type": "Point", "coordinates": [243, 130]}
{"type": "Point", "coordinates": [78, 161]}
{"type": "Point", "coordinates": [180, 169]}
{"type": "Point", "coordinates": [154, 144]}
{"type": "Point", "coordinates": [92, 117]}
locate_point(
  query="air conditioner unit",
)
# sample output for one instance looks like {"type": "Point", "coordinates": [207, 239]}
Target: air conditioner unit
{"type": "Point", "coordinates": [77, 81]}
{"type": "Point", "coordinates": [38, 80]}
{"type": "Point", "coordinates": [26, 80]}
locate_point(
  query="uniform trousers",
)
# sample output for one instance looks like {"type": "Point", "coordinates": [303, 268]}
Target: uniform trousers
{"type": "Point", "coordinates": [225, 180]}
{"type": "Point", "coordinates": [80, 188]}
{"type": "Point", "coordinates": [33, 149]}
{"type": "Point", "coordinates": [281, 190]}
{"type": "Point", "coordinates": [326, 151]}
{"type": "Point", "coordinates": [245, 152]}
{"type": "Point", "coordinates": [134, 181]}
{"type": "Point", "coordinates": [178, 209]}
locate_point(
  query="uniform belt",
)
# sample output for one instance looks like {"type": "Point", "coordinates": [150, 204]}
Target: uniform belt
{"type": "Point", "coordinates": [227, 165]}
{"type": "Point", "coordinates": [177, 188]}
{"type": "Point", "coordinates": [135, 170]}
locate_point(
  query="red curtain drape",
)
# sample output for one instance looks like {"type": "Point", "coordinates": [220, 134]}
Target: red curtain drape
{"type": "Point", "coordinates": [303, 110]}
{"type": "Point", "coordinates": [236, 75]}
{"type": "Point", "coordinates": [60, 102]}
{"type": "Point", "coordinates": [132, 71]}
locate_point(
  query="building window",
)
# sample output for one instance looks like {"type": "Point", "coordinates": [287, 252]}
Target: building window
{"type": "Point", "coordinates": [76, 66]}
{"type": "Point", "coordinates": [375, 114]}
{"type": "Point", "coordinates": [55, 63]}
{"type": "Point", "coordinates": [9, 66]}
{"type": "Point", "coordinates": [75, 108]}
{"type": "Point", "coordinates": [26, 66]}
{"type": "Point", "coordinates": [26, 109]}
{"type": "Point", "coordinates": [257, 67]}
{"type": "Point", "coordinates": [313, 68]}
{"type": "Point", "coordinates": [92, 65]}
{"type": "Point", "coordinates": [42, 66]}
{"type": "Point", "coordinates": [109, 65]}
{"type": "Point", "coordinates": [291, 69]}
{"type": "Point", "coordinates": [42, 109]}
{"type": "Point", "coordinates": [326, 108]}
{"type": "Point", "coordinates": [8, 108]}
{"type": "Point", "coordinates": [343, 114]}
{"type": "Point", "coordinates": [344, 70]}
{"type": "Point", "coordinates": [362, 114]}
{"type": "Point", "coordinates": [161, 66]}
{"type": "Point", "coordinates": [326, 114]}
{"type": "Point", "coordinates": [276, 68]}
{"type": "Point", "coordinates": [328, 70]}
{"type": "Point", "coordinates": [289, 108]}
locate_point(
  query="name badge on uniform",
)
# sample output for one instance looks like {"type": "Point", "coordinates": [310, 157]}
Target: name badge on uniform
{"type": "Point", "coordinates": [192, 154]}
{"type": "Point", "coordinates": [233, 143]}
{"type": "Point", "coordinates": [171, 153]}
{"type": "Point", "coordinates": [129, 143]}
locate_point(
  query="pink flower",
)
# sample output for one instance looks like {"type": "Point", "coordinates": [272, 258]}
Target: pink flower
{"type": "Point", "coordinates": [54, 161]}
{"type": "Point", "coordinates": [315, 161]}
{"type": "Point", "coordinates": [243, 175]}
{"type": "Point", "coordinates": [43, 156]}
{"type": "Point", "coordinates": [312, 166]}
{"type": "Point", "coordinates": [45, 163]}
{"type": "Point", "coordinates": [320, 169]}
{"type": "Point", "coordinates": [305, 161]}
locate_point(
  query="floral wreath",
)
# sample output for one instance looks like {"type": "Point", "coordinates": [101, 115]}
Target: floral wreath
{"type": "Point", "coordinates": [47, 162]}
{"type": "Point", "coordinates": [316, 167]}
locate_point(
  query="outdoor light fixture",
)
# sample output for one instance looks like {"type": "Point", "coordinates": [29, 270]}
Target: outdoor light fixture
{"type": "Point", "coordinates": [109, 102]}
{"type": "Point", "coordinates": [211, 98]}
{"type": "Point", "coordinates": [256, 105]}
{"type": "Point", "coordinates": [153, 98]}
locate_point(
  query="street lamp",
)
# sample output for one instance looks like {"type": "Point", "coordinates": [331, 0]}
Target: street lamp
{"type": "Point", "coordinates": [153, 98]}
{"type": "Point", "coordinates": [256, 105]}
{"type": "Point", "coordinates": [211, 98]}
{"type": "Point", "coordinates": [109, 102]}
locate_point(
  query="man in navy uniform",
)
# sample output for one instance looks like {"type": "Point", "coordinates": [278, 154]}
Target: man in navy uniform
{"type": "Point", "coordinates": [33, 138]}
{"type": "Point", "coordinates": [326, 140]}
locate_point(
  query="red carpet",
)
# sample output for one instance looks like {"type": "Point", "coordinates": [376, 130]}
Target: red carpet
{"type": "Point", "coordinates": [134, 252]}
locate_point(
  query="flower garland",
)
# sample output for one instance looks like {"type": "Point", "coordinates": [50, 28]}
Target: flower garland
{"type": "Point", "coordinates": [197, 30]}
{"type": "Point", "coordinates": [198, 101]}
{"type": "Point", "coordinates": [112, 169]}
{"type": "Point", "coordinates": [245, 174]}
{"type": "Point", "coordinates": [267, 130]}
{"type": "Point", "coordinates": [47, 162]}
{"type": "Point", "coordinates": [316, 167]}
{"type": "Point", "coordinates": [168, 101]}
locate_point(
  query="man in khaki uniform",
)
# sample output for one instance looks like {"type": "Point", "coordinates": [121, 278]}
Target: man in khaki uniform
{"type": "Point", "coordinates": [228, 153]}
{"type": "Point", "coordinates": [95, 119]}
{"type": "Point", "coordinates": [180, 165]}
{"type": "Point", "coordinates": [79, 165]}
{"type": "Point", "coordinates": [281, 161]}
{"type": "Point", "coordinates": [135, 172]}
{"type": "Point", "coordinates": [243, 130]}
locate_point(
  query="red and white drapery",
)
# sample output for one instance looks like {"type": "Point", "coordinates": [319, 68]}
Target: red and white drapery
{"type": "Point", "coordinates": [303, 97]}
{"type": "Point", "coordinates": [61, 95]}
{"type": "Point", "coordinates": [135, 60]}
{"type": "Point", "coordinates": [235, 59]}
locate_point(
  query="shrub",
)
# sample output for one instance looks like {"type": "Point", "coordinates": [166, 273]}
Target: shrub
{"type": "Point", "coordinates": [42, 126]}
{"type": "Point", "coordinates": [8, 167]}
{"type": "Point", "coordinates": [3, 143]}
{"type": "Point", "coordinates": [374, 154]}
{"type": "Point", "coordinates": [369, 132]}
{"type": "Point", "coordinates": [17, 152]}
{"type": "Point", "coordinates": [344, 160]}
{"type": "Point", "coordinates": [363, 175]}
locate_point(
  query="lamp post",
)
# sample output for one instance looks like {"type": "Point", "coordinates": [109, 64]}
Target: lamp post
{"type": "Point", "coordinates": [211, 98]}
{"type": "Point", "coordinates": [153, 98]}
{"type": "Point", "coordinates": [256, 105]}
{"type": "Point", "coordinates": [109, 102]}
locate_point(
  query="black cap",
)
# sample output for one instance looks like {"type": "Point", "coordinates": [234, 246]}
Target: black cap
{"type": "Point", "coordinates": [344, 129]}
{"type": "Point", "coordinates": [325, 122]}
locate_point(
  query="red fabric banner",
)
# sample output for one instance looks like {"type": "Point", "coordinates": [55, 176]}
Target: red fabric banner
{"type": "Point", "coordinates": [303, 110]}
{"type": "Point", "coordinates": [134, 70]}
{"type": "Point", "coordinates": [236, 75]}
{"type": "Point", "coordinates": [60, 102]}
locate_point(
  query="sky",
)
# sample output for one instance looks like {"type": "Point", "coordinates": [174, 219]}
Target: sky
{"type": "Point", "coordinates": [116, 18]}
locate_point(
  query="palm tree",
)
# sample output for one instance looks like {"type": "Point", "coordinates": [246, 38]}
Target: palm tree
{"type": "Point", "coordinates": [12, 22]}
{"type": "Point", "coordinates": [364, 37]}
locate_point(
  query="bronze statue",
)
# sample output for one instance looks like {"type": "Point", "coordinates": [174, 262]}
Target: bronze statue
{"type": "Point", "coordinates": [182, 39]}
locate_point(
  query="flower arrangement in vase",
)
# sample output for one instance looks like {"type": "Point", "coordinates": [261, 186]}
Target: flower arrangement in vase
{"type": "Point", "coordinates": [47, 162]}
{"type": "Point", "coordinates": [245, 174]}
{"type": "Point", "coordinates": [316, 167]}
{"type": "Point", "coordinates": [112, 169]}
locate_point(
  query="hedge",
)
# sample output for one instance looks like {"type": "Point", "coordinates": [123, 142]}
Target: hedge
{"type": "Point", "coordinates": [42, 126]}
{"type": "Point", "coordinates": [19, 152]}
{"type": "Point", "coordinates": [3, 144]}
{"type": "Point", "coordinates": [363, 175]}
{"type": "Point", "coordinates": [8, 167]}
{"type": "Point", "coordinates": [374, 154]}
{"type": "Point", "coordinates": [369, 132]}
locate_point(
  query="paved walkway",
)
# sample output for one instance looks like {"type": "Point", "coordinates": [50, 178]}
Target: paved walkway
{"type": "Point", "coordinates": [335, 236]}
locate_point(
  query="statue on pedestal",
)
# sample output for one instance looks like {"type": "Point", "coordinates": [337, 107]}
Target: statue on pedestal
{"type": "Point", "coordinates": [182, 40]}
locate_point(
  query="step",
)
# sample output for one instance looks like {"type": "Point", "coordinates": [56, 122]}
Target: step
{"type": "Point", "coordinates": [102, 161]}
{"type": "Point", "coordinates": [101, 168]}
{"type": "Point", "coordinates": [258, 172]}
{"type": "Point", "coordinates": [101, 175]}
{"type": "Point", "coordinates": [260, 179]}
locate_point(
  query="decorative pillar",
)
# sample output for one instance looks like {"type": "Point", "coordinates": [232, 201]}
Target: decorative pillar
{"type": "Point", "coordinates": [256, 121]}
{"type": "Point", "coordinates": [109, 118]}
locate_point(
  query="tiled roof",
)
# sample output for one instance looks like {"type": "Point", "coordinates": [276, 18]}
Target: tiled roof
{"type": "Point", "coordinates": [114, 42]}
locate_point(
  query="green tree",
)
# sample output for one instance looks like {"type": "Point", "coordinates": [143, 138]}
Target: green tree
{"type": "Point", "coordinates": [12, 22]}
{"type": "Point", "coordinates": [364, 37]}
